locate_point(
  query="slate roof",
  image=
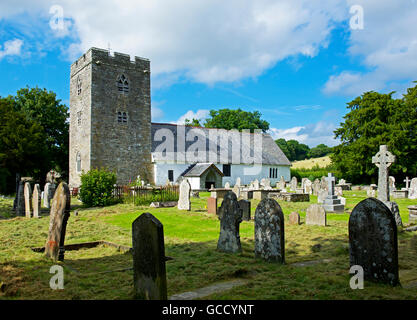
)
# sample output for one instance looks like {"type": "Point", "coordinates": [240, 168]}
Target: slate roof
{"type": "Point", "coordinates": [271, 153]}
{"type": "Point", "coordinates": [199, 168]}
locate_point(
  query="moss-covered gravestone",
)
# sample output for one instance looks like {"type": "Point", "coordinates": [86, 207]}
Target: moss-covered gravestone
{"type": "Point", "coordinates": [230, 217]}
{"type": "Point", "coordinates": [244, 205]}
{"type": "Point", "coordinates": [373, 241]}
{"type": "Point", "coordinates": [59, 214]}
{"type": "Point", "coordinates": [269, 231]}
{"type": "Point", "coordinates": [149, 272]}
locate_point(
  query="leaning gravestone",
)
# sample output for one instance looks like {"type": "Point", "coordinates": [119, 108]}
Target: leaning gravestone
{"type": "Point", "coordinates": [383, 160]}
{"type": "Point", "coordinates": [316, 215]}
{"type": "Point", "coordinates": [294, 218]}
{"type": "Point", "coordinates": [184, 202]}
{"type": "Point", "coordinates": [269, 231]}
{"type": "Point", "coordinates": [412, 193]}
{"type": "Point", "coordinates": [36, 201]}
{"type": "Point", "coordinates": [230, 217]}
{"type": "Point", "coordinates": [20, 206]}
{"type": "Point", "coordinates": [244, 205]}
{"type": "Point", "coordinates": [28, 199]}
{"type": "Point", "coordinates": [149, 272]}
{"type": "Point", "coordinates": [60, 212]}
{"type": "Point", "coordinates": [373, 241]}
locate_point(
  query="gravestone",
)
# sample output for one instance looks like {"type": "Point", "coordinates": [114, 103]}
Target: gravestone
{"type": "Point", "coordinates": [293, 183]}
{"type": "Point", "coordinates": [269, 231]}
{"type": "Point", "coordinates": [371, 192]}
{"type": "Point", "coordinates": [256, 185]}
{"type": "Point", "coordinates": [46, 198]}
{"type": "Point", "coordinates": [323, 183]}
{"type": "Point", "coordinates": [391, 181]}
{"type": "Point", "coordinates": [227, 185]}
{"type": "Point", "coordinates": [28, 200]}
{"type": "Point", "coordinates": [281, 184]}
{"type": "Point", "coordinates": [331, 203]}
{"type": "Point", "coordinates": [383, 160]}
{"type": "Point", "coordinates": [230, 217]}
{"type": "Point", "coordinates": [267, 184]}
{"type": "Point", "coordinates": [212, 205]}
{"type": "Point", "coordinates": [294, 218]}
{"type": "Point", "coordinates": [20, 207]}
{"type": "Point", "coordinates": [316, 187]}
{"type": "Point", "coordinates": [338, 191]}
{"type": "Point", "coordinates": [412, 214]}
{"type": "Point", "coordinates": [238, 182]}
{"type": "Point", "coordinates": [308, 186]}
{"type": "Point", "coordinates": [59, 215]}
{"type": "Point", "coordinates": [17, 191]}
{"type": "Point", "coordinates": [184, 202]}
{"type": "Point", "coordinates": [36, 201]}
{"type": "Point", "coordinates": [322, 194]}
{"type": "Point", "coordinates": [412, 194]}
{"type": "Point", "coordinates": [236, 190]}
{"type": "Point", "coordinates": [149, 271]}
{"type": "Point", "coordinates": [244, 205]}
{"type": "Point", "coordinates": [373, 241]}
{"type": "Point", "coordinates": [316, 215]}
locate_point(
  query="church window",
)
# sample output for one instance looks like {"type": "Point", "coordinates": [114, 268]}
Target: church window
{"type": "Point", "coordinates": [171, 175]}
{"type": "Point", "coordinates": [79, 85]}
{"type": "Point", "coordinates": [122, 117]}
{"type": "Point", "coordinates": [78, 159]}
{"type": "Point", "coordinates": [123, 84]}
{"type": "Point", "coordinates": [226, 170]}
{"type": "Point", "coordinates": [273, 172]}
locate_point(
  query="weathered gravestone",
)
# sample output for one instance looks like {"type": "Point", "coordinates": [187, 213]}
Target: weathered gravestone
{"type": "Point", "coordinates": [316, 215]}
{"type": "Point", "coordinates": [256, 185]}
{"type": "Point", "coordinates": [412, 194]}
{"type": "Point", "coordinates": [322, 194]}
{"type": "Point", "coordinates": [149, 272]}
{"type": "Point", "coordinates": [28, 199]}
{"type": "Point", "coordinates": [244, 205]}
{"type": "Point", "coordinates": [294, 218]}
{"type": "Point", "coordinates": [383, 160]}
{"type": "Point", "coordinates": [184, 202]}
{"type": "Point", "coordinates": [236, 190]}
{"type": "Point", "coordinates": [373, 241]}
{"type": "Point", "coordinates": [269, 231]}
{"type": "Point", "coordinates": [227, 185]}
{"type": "Point", "coordinates": [230, 217]}
{"type": "Point", "coordinates": [20, 206]}
{"type": "Point", "coordinates": [293, 183]}
{"type": "Point", "coordinates": [17, 191]}
{"type": "Point", "coordinates": [212, 205]}
{"type": "Point", "coordinates": [46, 192]}
{"type": "Point", "coordinates": [281, 184]}
{"type": "Point", "coordinates": [308, 186]}
{"type": "Point", "coordinates": [316, 187]}
{"type": "Point", "coordinates": [59, 215]}
{"type": "Point", "coordinates": [36, 201]}
{"type": "Point", "coordinates": [238, 182]}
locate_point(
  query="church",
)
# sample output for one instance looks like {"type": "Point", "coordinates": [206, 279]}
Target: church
{"type": "Point", "coordinates": [111, 127]}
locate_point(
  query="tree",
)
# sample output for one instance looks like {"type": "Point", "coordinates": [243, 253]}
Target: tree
{"type": "Point", "coordinates": [43, 107]}
{"type": "Point", "coordinates": [319, 151]}
{"type": "Point", "coordinates": [22, 145]}
{"type": "Point", "coordinates": [293, 149]}
{"type": "Point", "coordinates": [375, 119]}
{"type": "Point", "coordinates": [193, 123]}
{"type": "Point", "coordinates": [236, 119]}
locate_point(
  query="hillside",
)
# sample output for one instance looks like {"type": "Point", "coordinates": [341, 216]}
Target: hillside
{"type": "Point", "coordinates": [310, 163]}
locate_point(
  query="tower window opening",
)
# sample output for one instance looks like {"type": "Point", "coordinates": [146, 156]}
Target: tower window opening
{"type": "Point", "coordinates": [123, 84]}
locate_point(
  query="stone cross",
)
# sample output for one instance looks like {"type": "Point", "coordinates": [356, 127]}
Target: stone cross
{"type": "Point", "coordinates": [59, 215]}
{"type": "Point", "coordinates": [149, 271]}
{"type": "Point", "coordinates": [331, 180]}
{"type": "Point", "coordinates": [383, 160]}
{"type": "Point", "coordinates": [407, 181]}
{"type": "Point", "coordinates": [230, 216]}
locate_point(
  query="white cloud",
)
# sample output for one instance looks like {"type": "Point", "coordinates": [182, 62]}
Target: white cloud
{"type": "Point", "coordinates": [387, 48]}
{"type": "Point", "coordinates": [311, 134]}
{"type": "Point", "coordinates": [205, 41]}
{"type": "Point", "coordinates": [201, 115]}
{"type": "Point", "coordinates": [11, 48]}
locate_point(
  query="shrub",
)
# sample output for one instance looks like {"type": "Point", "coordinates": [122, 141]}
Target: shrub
{"type": "Point", "coordinates": [315, 173]}
{"type": "Point", "coordinates": [97, 188]}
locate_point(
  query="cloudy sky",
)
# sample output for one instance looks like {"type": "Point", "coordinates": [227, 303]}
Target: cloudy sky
{"type": "Point", "coordinates": [296, 61]}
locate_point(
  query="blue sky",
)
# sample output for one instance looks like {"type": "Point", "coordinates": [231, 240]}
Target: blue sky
{"type": "Point", "coordinates": [298, 62]}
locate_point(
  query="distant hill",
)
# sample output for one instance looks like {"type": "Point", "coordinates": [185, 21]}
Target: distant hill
{"type": "Point", "coordinates": [310, 163]}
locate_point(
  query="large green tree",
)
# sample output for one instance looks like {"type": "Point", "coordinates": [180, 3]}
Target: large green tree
{"type": "Point", "coordinates": [22, 146]}
{"type": "Point", "coordinates": [293, 149]}
{"type": "Point", "coordinates": [319, 151]}
{"type": "Point", "coordinates": [43, 107]}
{"type": "Point", "coordinates": [375, 119]}
{"type": "Point", "coordinates": [236, 119]}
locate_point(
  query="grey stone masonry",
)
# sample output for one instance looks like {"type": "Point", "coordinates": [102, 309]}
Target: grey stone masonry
{"type": "Point", "coordinates": [110, 116]}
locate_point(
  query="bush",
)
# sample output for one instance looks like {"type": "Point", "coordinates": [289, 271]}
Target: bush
{"type": "Point", "coordinates": [97, 187]}
{"type": "Point", "coordinates": [315, 173]}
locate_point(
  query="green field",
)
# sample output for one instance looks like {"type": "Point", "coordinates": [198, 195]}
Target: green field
{"type": "Point", "coordinates": [191, 240]}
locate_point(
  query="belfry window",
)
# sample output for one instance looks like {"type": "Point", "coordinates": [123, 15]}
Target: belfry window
{"type": "Point", "coordinates": [78, 159]}
{"type": "Point", "coordinates": [79, 117]}
{"type": "Point", "coordinates": [122, 117]}
{"type": "Point", "coordinates": [123, 84]}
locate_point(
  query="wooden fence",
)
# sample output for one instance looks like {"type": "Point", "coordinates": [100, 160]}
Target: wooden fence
{"type": "Point", "coordinates": [146, 195]}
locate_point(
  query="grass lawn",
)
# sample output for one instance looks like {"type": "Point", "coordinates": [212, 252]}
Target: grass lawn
{"type": "Point", "coordinates": [191, 239]}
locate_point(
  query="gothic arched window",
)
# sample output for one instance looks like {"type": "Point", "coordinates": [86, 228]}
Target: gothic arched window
{"type": "Point", "coordinates": [79, 85]}
{"type": "Point", "coordinates": [78, 159]}
{"type": "Point", "coordinates": [123, 84]}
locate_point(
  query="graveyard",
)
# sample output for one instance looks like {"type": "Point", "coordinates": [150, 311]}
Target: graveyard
{"type": "Point", "coordinates": [316, 257]}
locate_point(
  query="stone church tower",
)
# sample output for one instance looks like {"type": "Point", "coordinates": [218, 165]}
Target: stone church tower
{"type": "Point", "coordinates": [110, 116]}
